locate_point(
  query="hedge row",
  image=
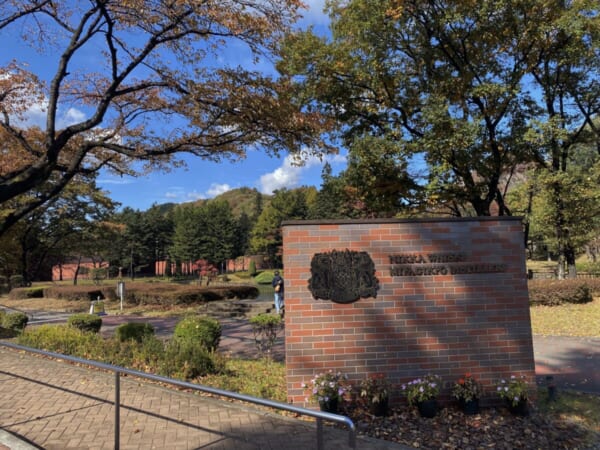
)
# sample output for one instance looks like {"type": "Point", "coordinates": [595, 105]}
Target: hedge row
{"type": "Point", "coordinates": [74, 293]}
{"type": "Point", "coordinates": [558, 292]}
{"type": "Point", "coordinates": [166, 294]}
{"type": "Point", "coordinates": [26, 292]}
{"type": "Point", "coordinates": [173, 294]}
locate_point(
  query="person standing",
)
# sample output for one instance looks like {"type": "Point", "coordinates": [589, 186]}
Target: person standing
{"type": "Point", "coordinates": [277, 284]}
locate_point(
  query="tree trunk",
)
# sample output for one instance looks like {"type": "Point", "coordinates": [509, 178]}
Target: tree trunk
{"type": "Point", "coordinates": [76, 274]}
{"type": "Point", "coordinates": [570, 259]}
{"type": "Point", "coordinates": [560, 269]}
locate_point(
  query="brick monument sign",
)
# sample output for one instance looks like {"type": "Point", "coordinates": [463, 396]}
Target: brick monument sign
{"type": "Point", "coordinates": [406, 298]}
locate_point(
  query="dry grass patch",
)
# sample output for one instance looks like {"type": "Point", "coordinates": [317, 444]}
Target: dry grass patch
{"type": "Point", "coordinates": [46, 304]}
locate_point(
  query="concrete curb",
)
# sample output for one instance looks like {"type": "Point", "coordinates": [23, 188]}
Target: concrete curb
{"type": "Point", "coordinates": [9, 441]}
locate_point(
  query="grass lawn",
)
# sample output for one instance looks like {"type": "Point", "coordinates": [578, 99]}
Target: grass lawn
{"type": "Point", "coordinates": [572, 407]}
{"type": "Point", "coordinates": [567, 320]}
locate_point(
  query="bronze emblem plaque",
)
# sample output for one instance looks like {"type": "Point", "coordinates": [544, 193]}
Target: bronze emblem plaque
{"type": "Point", "coordinates": [342, 276]}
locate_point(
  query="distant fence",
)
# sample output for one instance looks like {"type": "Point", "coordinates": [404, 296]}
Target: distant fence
{"type": "Point", "coordinates": [551, 274]}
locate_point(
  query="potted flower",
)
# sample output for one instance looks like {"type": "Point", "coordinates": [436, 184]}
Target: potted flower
{"type": "Point", "coordinates": [467, 391]}
{"type": "Point", "coordinates": [375, 391]}
{"type": "Point", "coordinates": [327, 389]}
{"type": "Point", "coordinates": [515, 393]}
{"type": "Point", "coordinates": [423, 392]}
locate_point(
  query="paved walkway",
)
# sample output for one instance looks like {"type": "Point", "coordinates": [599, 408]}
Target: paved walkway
{"type": "Point", "coordinates": [573, 362]}
{"type": "Point", "coordinates": [54, 405]}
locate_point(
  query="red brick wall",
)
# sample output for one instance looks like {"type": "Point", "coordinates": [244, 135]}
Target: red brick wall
{"type": "Point", "coordinates": [68, 270]}
{"type": "Point", "coordinates": [442, 324]}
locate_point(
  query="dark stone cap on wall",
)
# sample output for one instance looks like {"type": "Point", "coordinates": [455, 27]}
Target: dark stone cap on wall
{"type": "Point", "coordinates": [397, 220]}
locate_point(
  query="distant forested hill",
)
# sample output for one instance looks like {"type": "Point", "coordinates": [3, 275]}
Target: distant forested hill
{"type": "Point", "coordinates": [241, 200]}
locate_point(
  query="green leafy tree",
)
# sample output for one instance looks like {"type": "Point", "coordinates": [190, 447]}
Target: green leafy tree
{"type": "Point", "coordinates": [186, 239]}
{"type": "Point", "coordinates": [475, 90]}
{"type": "Point", "coordinates": [286, 204]}
{"type": "Point", "coordinates": [242, 235]}
{"type": "Point", "coordinates": [564, 67]}
{"type": "Point", "coordinates": [438, 79]}
{"type": "Point", "coordinates": [328, 203]}
{"type": "Point", "coordinates": [580, 199]}
{"type": "Point", "coordinates": [145, 238]}
{"type": "Point", "coordinates": [377, 183]}
{"type": "Point", "coordinates": [61, 229]}
{"type": "Point", "coordinates": [217, 232]}
{"type": "Point", "coordinates": [204, 232]}
{"type": "Point", "coordinates": [457, 84]}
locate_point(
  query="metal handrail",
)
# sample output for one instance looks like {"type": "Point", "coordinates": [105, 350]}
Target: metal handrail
{"type": "Point", "coordinates": [118, 370]}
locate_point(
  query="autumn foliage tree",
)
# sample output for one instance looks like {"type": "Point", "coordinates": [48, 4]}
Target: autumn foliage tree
{"type": "Point", "coordinates": [145, 79]}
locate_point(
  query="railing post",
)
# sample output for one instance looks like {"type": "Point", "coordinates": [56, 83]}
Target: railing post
{"type": "Point", "coordinates": [352, 439]}
{"type": "Point", "coordinates": [319, 433]}
{"type": "Point", "coordinates": [117, 409]}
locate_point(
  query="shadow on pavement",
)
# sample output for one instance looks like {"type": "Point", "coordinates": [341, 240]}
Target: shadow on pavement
{"type": "Point", "coordinates": [573, 363]}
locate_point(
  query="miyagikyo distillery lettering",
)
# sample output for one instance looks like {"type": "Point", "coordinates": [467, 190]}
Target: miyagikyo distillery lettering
{"type": "Point", "coordinates": [429, 264]}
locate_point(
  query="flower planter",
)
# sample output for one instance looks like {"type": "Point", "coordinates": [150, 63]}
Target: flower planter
{"type": "Point", "coordinates": [470, 407]}
{"type": "Point", "coordinates": [330, 406]}
{"type": "Point", "coordinates": [379, 409]}
{"type": "Point", "coordinates": [428, 408]}
{"type": "Point", "coordinates": [520, 409]}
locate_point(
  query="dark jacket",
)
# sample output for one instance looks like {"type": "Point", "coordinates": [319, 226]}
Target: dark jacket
{"type": "Point", "coordinates": [277, 280]}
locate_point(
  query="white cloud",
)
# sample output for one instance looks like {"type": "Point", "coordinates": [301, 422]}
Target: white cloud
{"type": "Point", "coordinates": [71, 116]}
{"type": "Point", "coordinates": [289, 174]}
{"type": "Point", "coordinates": [286, 176]}
{"type": "Point", "coordinates": [217, 189]}
{"type": "Point", "coordinates": [37, 113]}
{"type": "Point", "coordinates": [35, 116]}
{"type": "Point", "coordinates": [172, 195]}
{"type": "Point", "coordinates": [195, 195]}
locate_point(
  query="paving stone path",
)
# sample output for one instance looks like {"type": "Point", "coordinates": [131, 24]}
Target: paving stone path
{"type": "Point", "coordinates": [55, 405]}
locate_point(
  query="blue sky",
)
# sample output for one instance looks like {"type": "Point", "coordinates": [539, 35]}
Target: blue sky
{"type": "Point", "coordinates": [201, 179]}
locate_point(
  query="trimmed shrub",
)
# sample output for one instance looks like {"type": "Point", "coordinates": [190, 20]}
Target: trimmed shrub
{"type": "Point", "coordinates": [16, 321]}
{"type": "Point", "coordinates": [186, 360]}
{"type": "Point", "coordinates": [24, 293]}
{"type": "Point", "coordinates": [169, 294]}
{"type": "Point", "coordinates": [200, 331]}
{"type": "Point", "coordinates": [265, 328]}
{"type": "Point", "coordinates": [179, 358]}
{"type": "Point", "coordinates": [89, 323]}
{"type": "Point", "coordinates": [252, 268]}
{"type": "Point", "coordinates": [265, 277]}
{"type": "Point", "coordinates": [62, 339]}
{"type": "Point", "coordinates": [558, 292]}
{"type": "Point", "coordinates": [78, 293]}
{"type": "Point", "coordinates": [146, 355]}
{"type": "Point", "coordinates": [5, 333]}
{"type": "Point", "coordinates": [136, 331]}
{"type": "Point", "coordinates": [16, 281]}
